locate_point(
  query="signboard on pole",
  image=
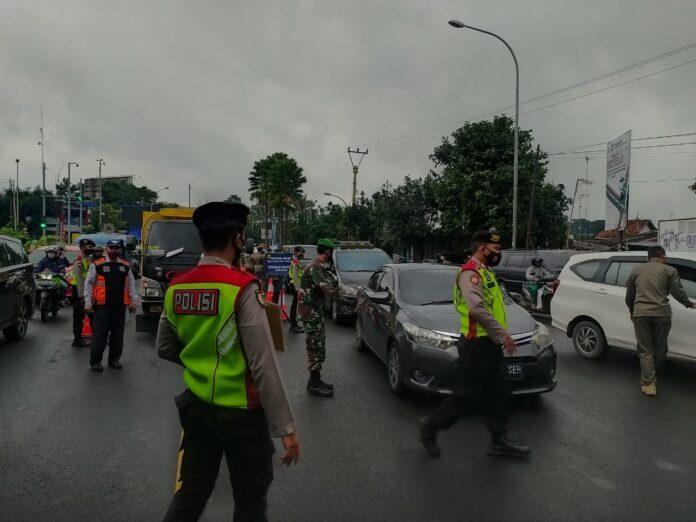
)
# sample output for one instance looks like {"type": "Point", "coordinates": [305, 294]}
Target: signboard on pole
{"type": "Point", "coordinates": [618, 172]}
{"type": "Point", "coordinates": [677, 235]}
{"type": "Point", "coordinates": [278, 264]}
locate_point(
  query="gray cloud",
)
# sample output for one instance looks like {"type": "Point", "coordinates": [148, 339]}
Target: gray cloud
{"type": "Point", "coordinates": [194, 92]}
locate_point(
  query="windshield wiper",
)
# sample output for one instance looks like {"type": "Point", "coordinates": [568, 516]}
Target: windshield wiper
{"type": "Point", "coordinates": [173, 253]}
{"type": "Point", "coordinates": [446, 301]}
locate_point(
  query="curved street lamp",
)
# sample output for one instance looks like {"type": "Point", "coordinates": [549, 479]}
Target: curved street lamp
{"type": "Point", "coordinates": [335, 196]}
{"type": "Point", "coordinates": [152, 203]}
{"type": "Point", "coordinates": [460, 25]}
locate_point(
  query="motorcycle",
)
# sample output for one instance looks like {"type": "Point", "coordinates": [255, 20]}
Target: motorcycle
{"type": "Point", "coordinates": [50, 293]}
{"type": "Point", "coordinates": [547, 287]}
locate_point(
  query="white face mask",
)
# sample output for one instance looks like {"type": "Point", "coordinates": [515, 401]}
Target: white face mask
{"type": "Point", "coordinates": [51, 255]}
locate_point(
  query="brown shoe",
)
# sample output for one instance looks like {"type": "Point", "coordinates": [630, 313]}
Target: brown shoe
{"type": "Point", "coordinates": [649, 389]}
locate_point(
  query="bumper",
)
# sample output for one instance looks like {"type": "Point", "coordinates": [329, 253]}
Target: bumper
{"type": "Point", "coordinates": [148, 317]}
{"type": "Point", "coordinates": [429, 370]}
{"type": "Point", "coordinates": [347, 305]}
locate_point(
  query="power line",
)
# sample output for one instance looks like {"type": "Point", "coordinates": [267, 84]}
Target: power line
{"type": "Point", "coordinates": [632, 148]}
{"type": "Point", "coordinates": [379, 143]}
{"type": "Point", "coordinates": [580, 150]}
{"type": "Point", "coordinates": [661, 180]}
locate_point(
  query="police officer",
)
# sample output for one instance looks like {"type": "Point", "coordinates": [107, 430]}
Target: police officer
{"type": "Point", "coordinates": [80, 268]}
{"type": "Point", "coordinates": [482, 377]}
{"type": "Point", "coordinates": [215, 326]}
{"type": "Point", "coordinates": [109, 289]}
{"type": "Point", "coordinates": [314, 284]}
{"type": "Point", "coordinates": [294, 278]}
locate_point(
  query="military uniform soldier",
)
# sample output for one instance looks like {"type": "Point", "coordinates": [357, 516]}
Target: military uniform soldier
{"type": "Point", "coordinates": [311, 306]}
{"type": "Point", "coordinates": [215, 326]}
{"type": "Point", "coordinates": [482, 376]}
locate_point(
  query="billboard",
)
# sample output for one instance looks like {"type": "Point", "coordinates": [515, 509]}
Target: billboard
{"type": "Point", "coordinates": [618, 171]}
{"type": "Point", "coordinates": [91, 185]}
{"type": "Point", "coordinates": [677, 235]}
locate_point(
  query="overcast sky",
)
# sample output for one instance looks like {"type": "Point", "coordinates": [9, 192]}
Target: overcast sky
{"type": "Point", "coordinates": [194, 92]}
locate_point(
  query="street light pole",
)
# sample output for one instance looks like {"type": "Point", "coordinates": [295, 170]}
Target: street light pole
{"type": "Point", "coordinates": [152, 203]}
{"type": "Point", "coordinates": [17, 196]}
{"type": "Point", "coordinates": [335, 196]}
{"type": "Point", "coordinates": [459, 25]}
{"type": "Point", "coordinates": [101, 211]}
{"type": "Point", "coordinates": [70, 199]}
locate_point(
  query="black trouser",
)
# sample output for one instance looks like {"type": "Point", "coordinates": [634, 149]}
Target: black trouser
{"type": "Point", "coordinates": [293, 309]}
{"type": "Point", "coordinates": [108, 319]}
{"type": "Point", "coordinates": [482, 380]}
{"type": "Point", "coordinates": [78, 314]}
{"type": "Point", "coordinates": [210, 431]}
{"type": "Point", "coordinates": [277, 288]}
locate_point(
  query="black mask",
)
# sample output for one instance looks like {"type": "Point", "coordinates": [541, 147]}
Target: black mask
{"type": "Point", "coordinates": [492, 259]}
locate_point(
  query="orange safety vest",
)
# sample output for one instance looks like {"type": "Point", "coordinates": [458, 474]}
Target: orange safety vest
{"type": "Point", "coordinates": [111, 286]}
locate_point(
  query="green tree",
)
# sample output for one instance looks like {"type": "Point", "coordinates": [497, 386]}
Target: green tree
{"type": "Point", "coordinates": [116, 193]}
{"type": "Point", "coordinates": [474, 185]}
{"type": "Point", "coordinates": [112, 216]}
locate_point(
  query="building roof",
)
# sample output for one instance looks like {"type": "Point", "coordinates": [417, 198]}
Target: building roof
{"type": "Point", "coordinates": [634, 228]}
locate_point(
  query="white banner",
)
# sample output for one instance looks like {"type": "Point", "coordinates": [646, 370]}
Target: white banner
{"type": "Point", "coordinates": [677, 235]}
{"type": "Point", "coordinates": [618, 171]}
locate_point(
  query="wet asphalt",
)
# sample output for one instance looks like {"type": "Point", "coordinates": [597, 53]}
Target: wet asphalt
{"type": "Point", "coordinates": [75, 445]}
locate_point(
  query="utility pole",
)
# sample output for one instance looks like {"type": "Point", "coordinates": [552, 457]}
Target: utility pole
{"type": "Point", "coordinates": [362, 154]}
{"type": "Point", "coordinates": [101, 210]}
{"type": "Point", "coordinates": [189, 199]}
{"type": "Point", "coordinates": [572, 208]}
{"type": "Point", "coordinates": [11, 205]}
{"type": "Point", "coordinates": [43, 179]}
{"type": "Point", "coordinates": [70, 201]}
{"type": "Point", "coordinates": [17, 196]}
{"type": "Point", "coordinates": [80, 197]}
{"type": "Point", "coordinates": [529, 222]}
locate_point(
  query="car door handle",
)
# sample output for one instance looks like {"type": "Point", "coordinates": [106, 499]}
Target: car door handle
{"type": "Point", "coordinates": [601, 291]}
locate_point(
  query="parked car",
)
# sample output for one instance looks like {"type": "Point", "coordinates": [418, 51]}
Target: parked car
{"type": "Point", "coordinates": [514, 264]}
{"type": "Point", "coordinates": [17, 289]}
{"type": "Point", "coordinates": [589, 305]}
{"type": "Point", "coordinates": [406, 316]}
{"type": "Point", "coordinates": [354, 263]}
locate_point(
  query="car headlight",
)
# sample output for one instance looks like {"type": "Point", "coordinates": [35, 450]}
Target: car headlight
{"type": "Point", "coordinates": [348, 291]}
{"type": "Point", "coordinates": [150, 288]}
{"type": "Point", "coordinates": [542, 336]}
{"type": "Point", "coordinates": [46, 277]}
{"type": "Point", "coordinates": [429, 338]}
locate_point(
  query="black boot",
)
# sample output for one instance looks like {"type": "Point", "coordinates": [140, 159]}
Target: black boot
{"type": "Point", "coordinates": [502, 447]}
{"type": "Point", "coordinates": [316, 386]}
{"type": "Point", "coordinates": [428, 437]}
{"type": "Point", "coordinates": [296, 328]}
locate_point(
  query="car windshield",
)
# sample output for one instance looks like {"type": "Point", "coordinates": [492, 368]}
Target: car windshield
{"type": "Point", "coordinates": [360, 260]}
{"type": "Point", "coordinates": [169, 236]}
{"type": "Point", "coordinates": [429, 287]}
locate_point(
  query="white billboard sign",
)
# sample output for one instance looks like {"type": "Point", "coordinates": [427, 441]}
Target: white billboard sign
{"type": "Point", "coordinates": [677, 235]}
{"type": "Point", "coordinates": [618, 171]}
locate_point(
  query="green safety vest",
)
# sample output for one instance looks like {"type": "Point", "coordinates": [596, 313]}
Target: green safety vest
{"type": "Point", "coordinates": [295, 268]}
{"type": "Point", "coordinates": [492, 299]}
{"type": "Point", "coordinates": [85, 271]}
{"type": "Point", "coordinates": [201, 306]}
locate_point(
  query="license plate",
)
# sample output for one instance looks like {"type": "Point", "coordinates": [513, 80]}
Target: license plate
{"type": "Point", "coordinates": [514, 371]}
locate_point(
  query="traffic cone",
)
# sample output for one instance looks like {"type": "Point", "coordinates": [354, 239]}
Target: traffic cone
{"type": "Point", "coordinates": [86, 327]}
{"type": "Point", "coordinates": [284, 311]}
{"type": "Point", "coordinates": [269, 292]}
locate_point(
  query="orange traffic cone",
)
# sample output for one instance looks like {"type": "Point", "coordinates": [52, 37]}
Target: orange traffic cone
{"type": "Point", "coordinates": [86, 328]}
{"type": "Point", "coordinates": [269, 292]}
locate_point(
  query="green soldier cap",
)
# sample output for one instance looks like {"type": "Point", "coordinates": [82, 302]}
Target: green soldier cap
{"type": "Point", "coordinates": [220, 212]}
{"type": "Point", "coordinates": [327, 243]}
{"type": "Point", "coordinates": [484, 236]}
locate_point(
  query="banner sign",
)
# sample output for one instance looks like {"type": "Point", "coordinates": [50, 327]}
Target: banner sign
{"type": "Point", "coordinates": [618, 172]}
{"type": "Point", "coordinates": [677, 235]}
{"type": "Point", "coordinates": [278, 264]}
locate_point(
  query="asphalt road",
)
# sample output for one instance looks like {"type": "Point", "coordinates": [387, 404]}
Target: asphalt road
{"type": "Point", "coordinates": [75, 445]}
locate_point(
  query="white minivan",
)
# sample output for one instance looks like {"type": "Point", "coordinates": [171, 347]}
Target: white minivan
{"type": "Point", "coordinates": [589, 303]}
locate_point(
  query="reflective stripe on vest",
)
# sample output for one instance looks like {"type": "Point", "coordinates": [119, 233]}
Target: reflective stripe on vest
{"type": "Point", "coordinates": [111, 273]}
{"type": "Point", "coordinates": [493, 301]}
{"type": "Point", "coordinates": [85, 269]}
{"type": "Point", "coordinates": [201, 306]}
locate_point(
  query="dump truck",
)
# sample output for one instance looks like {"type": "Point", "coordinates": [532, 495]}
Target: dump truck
{"type": "Point", "coordinates": [170, 247]}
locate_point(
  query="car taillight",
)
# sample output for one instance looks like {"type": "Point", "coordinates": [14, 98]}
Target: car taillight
{"type": "Point", "coordinates": [555, 286]}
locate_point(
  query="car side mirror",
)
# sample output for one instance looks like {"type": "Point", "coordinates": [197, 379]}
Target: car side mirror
{"type": "Point", "coordinates": [381, 297]}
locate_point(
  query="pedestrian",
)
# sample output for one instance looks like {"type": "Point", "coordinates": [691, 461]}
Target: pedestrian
{"type": "Point", "coordinates": [647, 296]}
{"type": "Point", "coordinates": [61, 256]}
{"type": "Point", "coordinates": [314, 284]}
{"type": "Point", "coordinates": [215, 326]}
{"type": "Point", "coordinates": [482, 376]}
{"type": "Point", "coordinates": [294, 278]}
{"type": "Point", "coordinates": [259, 261]}
{"type": "Point", "coordinates": [109, 290]}
{"type": "Point", "coordinates": [80, 269]}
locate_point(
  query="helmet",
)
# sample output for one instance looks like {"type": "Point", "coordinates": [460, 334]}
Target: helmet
{"type": "Point", "coordinates": [114, 243]}
{"type": "Point", "coordinates": [61, 248]}
{"type": "Point", "coordinates": [52, 249]}
{"type": "Point", "coordinates": [537, 261]}
{"type": "Point", "coordinates": [85, 242]}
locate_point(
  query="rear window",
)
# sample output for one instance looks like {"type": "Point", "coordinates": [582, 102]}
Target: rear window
{"type": "Point", "coordinates": [517, 260]}
{"type": "Point", "coordinates": [618, 272]}
{"type": "Point", "coordinates": [586, 270]}
{"type": "Point", "coordinates": [166, 236]}
{"type": "Point", "coordinates": [360, 260]}
{"type": "Point", "coordinates": [555, 260]}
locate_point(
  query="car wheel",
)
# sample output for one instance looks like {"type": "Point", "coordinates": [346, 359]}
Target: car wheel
{"type": "Point", "coordinates": [589, 340]}
{"type": "Point", "coordinates": [337, 319]}
{"type": "Point", "coordinates": [19, 330]}
{"type": "Point", "coordinates": [394, 370]}
{"type": "Point", "coordinates": [359, 342]}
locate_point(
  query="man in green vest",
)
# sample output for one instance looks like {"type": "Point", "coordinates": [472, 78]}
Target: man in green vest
{"type": "Point", "coordinates": [482, 378]}
{"type": "Point", "coordinates": [80, 268]}
{"type": "Point", "coordinates": [215, 326]}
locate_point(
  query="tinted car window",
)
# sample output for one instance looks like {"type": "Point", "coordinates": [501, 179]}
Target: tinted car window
{"type": "Point", "coordinates": [372, 284]}
{"type": "Point", "coordinates": [517, 260]}
{"type": "Point", "coordinates": [618, 272]}
{"type": "Point", "coordinates": [4, 255]}
{"type": "Point", "coordinates": [386, 284]}
{"type": "Point", "coordinates": [418, 287]}
{"type": "Point", "coordinates": [555, 260]}
{"type": "Point", "coordinates": [360, 260]}
{"type": "Point", "coordinates": [586, 270]}
{"type": "Point", "coordinates": [687, 275]}
{"type": "Point", "coordinates": [15, 251]}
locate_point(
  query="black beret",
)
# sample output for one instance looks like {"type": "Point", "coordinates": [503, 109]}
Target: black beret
{"type": "Point", "coordinates": [114, 243]}
{"type": "Point", "coordinates": [84, 242]}
{"type": "Point", "coordinates": [484, 236]}
{"type": "Point", "coordinates": [220, 212]}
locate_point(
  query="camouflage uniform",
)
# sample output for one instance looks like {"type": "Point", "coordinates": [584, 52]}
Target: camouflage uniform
{"type": "Point", "coordinates": [311, 308]}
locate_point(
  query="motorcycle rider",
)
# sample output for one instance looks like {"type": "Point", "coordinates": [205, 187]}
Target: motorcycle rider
{"type": "Point", "coordinates": [536, 274]}
{"type": "Point", "coordinates": [53, 264]}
